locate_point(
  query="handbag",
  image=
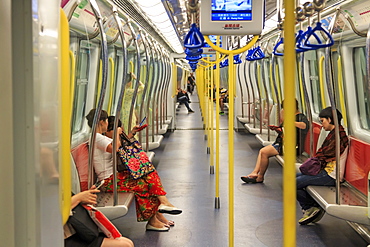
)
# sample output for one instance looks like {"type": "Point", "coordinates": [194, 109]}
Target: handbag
{"type": "Point", "coordinates": [135, 159]}
{"type": "Point", "coordinates": [311, 166]}
{"type": "Point", "coordinates": [82, 223]}
{"type": "Point", "coordinates": [103, 222]}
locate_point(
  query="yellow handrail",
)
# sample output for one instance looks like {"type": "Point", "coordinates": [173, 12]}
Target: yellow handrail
{"type": "Point", "coordinates": [232, 52]}
{"type": "Point", "coordinates": [65, 115]}
{"type": "Point", "coordinates": [273, 93]}
{"type": "Point", "coordinates": [301, 90]}
{"type": "Point", "coordinates": [231, 126]}
{"type": "Point", "coordinates": [231, 151]}
{"type": "Point", "coordinates": [174, 79]}
{"type": "Point", "coordinates": [72, 79]}
{"type": "Point", "coordinates": [111, 84]}
{"type": "Point", "coordinates": [217, 80]}
{"type": "Point", "coordinates": [100, 79]}
{"type": "Point", "coordinates": [131, 67]}
{"type": "Point", "coordinates": [321, 77]}
{"type": "Point", "coordinates": [278, 81]}
{"type": "Point", "coordinates": [289, 174]}
{"type": "Point", "coordinates": [217, 60]}
{"type": "Point", "coordinates": [341, 93]}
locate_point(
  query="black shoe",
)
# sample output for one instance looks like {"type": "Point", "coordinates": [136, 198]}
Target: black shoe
{"type": "Point", "coordinates": [190, 111]}
{"type": "Point", "coordinates": [189, 101]}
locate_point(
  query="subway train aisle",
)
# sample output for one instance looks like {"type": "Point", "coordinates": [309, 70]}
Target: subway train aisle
{"type": "Point", "coordinates": [183, 165]}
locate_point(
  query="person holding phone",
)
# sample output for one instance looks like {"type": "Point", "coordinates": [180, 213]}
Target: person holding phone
{"type": "Point", "coordinates": [150, 196]}
{"type": "Point", "coordinates": [302, 127]}
{"type": "Point", "coordinates": [74, 239]}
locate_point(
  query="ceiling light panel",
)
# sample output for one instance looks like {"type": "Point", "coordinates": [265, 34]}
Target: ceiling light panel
{"type": "Point", "coordinates": [157, 14]}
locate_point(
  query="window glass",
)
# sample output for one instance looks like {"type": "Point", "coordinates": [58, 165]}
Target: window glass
{"type": "Point", "coordinates": [280, 76]}
{"type": "Point", "coordinates": [266, 73]}
{"type": "Point", "coordinates": [81, 83]}
{"type": "Point", "coordinates": [362, 90]}
{"type": "Point", "coordinates": [314, 82]}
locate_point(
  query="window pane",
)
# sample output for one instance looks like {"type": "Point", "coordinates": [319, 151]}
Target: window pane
{"type": "Point", "coordinates": [82, 78]}
{"type": "Point", "coordinates": [362, 90]}
{"type": "Point", "coordinates": [314, 81]}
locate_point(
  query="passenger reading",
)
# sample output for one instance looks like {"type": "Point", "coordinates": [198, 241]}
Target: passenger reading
{"type": "Point", "coordinates": [231, 10]}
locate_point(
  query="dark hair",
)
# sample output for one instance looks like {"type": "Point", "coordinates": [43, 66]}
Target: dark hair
{"type": "Point", "coordinates": [128, 77]}
{"type": "Point", "coordinates": [111, 123]}
{"type": "Point", "coordinates": [296, 104]}
{"type": "Point", "coordinates": [328, 113]}
{"type": "Point", "coordinates": [90, 116]}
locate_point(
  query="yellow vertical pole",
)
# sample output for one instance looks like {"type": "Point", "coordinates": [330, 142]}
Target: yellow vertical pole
{"type": "Point", "coordinates": [231, 150]}
{"type": "Point", "coordinates": [289, 178]}
{"type": "Point", "coordinates": [212, 167]}
{"type": "Point", "coordinates": [206, 109]}
{"type": "Point", "coordinates": [341, 94]}
{"type": "Point", "coordinates": [217, 81]}
{"type": "Point", "coordinates": [321, 78]}
{"type": "Point", "coordinates": [65, 187]}
{"type": "Point", "coordinates": [174, 79]}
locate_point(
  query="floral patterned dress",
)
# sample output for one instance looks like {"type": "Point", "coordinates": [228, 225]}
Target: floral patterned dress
{"type": "Point", "coordinates": [146, 190]}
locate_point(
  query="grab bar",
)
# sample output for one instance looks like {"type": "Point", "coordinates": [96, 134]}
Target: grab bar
{"type": "Point", "coordinates": [65, 113]}
{"type": "Point", "coordinates": [104, 57]}
{"type": "Point", "coordinates": [119, 102]}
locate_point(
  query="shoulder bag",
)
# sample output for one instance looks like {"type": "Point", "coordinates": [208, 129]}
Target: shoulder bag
{"type": "Point", "coordinates": [135, 159]}
{"type": "Point", "coordinates": [311, 166]}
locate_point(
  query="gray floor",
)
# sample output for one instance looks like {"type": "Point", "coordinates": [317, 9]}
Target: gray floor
{"type": "Point", "coordinates": [183, 165]}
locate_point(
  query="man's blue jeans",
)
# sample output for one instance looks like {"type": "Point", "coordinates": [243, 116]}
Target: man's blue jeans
{"type": "Point", "coordinates": [184, 99]}
{"type": "Point", "coordinates": [304, 199]}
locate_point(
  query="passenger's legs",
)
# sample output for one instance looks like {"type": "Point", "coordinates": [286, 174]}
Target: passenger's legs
{"type": "Point", "coordinates": [304, 199]}
{"type": "Point", "coordinates": [184, 100]}
{"type": "Point", "coordinates": [263, 162]}
{"type": "Point", "coordinates": [221, 102]}
{"type": "Point", "coordinates": [119, 242]}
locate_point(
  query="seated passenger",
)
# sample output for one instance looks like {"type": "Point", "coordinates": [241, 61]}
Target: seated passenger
{"type": "Point", "coordinates": [73, 239]}
{"type": "Point", "coordinates": [326, 154]}
{"type": "Point", "coordinates": [191, 83]}
{"type": "Point", "coordinates": [183, 97]}
{"type": "Point", "coordinates": [150, 196]}
{"type": "Point", "coordinates": [222, 100]}
{"type": "Point", "coordinates": [302, 127]}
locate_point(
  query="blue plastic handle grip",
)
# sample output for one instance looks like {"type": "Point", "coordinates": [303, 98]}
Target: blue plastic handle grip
{"type": "Point", "coordinates": [281, 41]}
{"type": "Point", "coordinates": [194, 38]}
{"type": "Point", "coordinates": [320, 44]}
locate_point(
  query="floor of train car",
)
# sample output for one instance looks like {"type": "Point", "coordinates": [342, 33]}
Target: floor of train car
{"type": "Point", "coordinates": [183, 165]}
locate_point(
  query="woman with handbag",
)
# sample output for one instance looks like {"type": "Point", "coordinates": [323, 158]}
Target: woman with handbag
{"type": "Point", "coordinates": [326, 175]}
{"type": "Point", "coordinates": [86, 232]}
{"type": "Point", "coordinates": [150, 196]}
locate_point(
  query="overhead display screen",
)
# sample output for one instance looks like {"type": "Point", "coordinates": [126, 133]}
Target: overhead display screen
{"type": "Point", "coordinates": [231, 10]}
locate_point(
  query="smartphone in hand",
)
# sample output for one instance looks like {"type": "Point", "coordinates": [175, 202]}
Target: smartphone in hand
{"type": "Point", "coordinates": [99, 184]}
{"type": "Point", "coordinates": [142, 121]}
{"type": "Point", "coordinates": [142, 127]}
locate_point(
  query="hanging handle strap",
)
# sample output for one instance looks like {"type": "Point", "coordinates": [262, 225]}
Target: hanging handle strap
{"type": "Point", "coordinates": [313, 32]}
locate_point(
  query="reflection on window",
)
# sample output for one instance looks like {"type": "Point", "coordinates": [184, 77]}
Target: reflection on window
{"type": "Point", "coordinates": [266, 71]}
{"type": "Point", "coordinates": [314, 81]}
{"type": "Point", "coordinates": [362, 90]}
{"type": "Point", "coordinates": [280, 76]}
{"type": "Point", "coordinates": [82, 78]}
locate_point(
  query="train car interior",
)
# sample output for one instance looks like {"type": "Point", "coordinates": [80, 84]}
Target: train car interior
{"type": "Point", "coordinates": [168, 105]}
